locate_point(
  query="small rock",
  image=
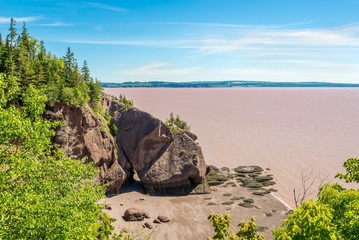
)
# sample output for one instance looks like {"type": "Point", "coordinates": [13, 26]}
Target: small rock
{"type": "Point", "coordinates": [157, 221]}
{"type": "Point", "coordinates": [108, 207]}
{"type": "Point", "coordinates": [135, 214]}
{"type": "Point", "coordinates": [273, 190]}
{"type": "Point", "coordinates": [246, 205]}
{"type": "Point", "coordinates": [147, 225]}
{"type": "Point", "coordinates": [228, 203]}
{"type": "Point", "coordinates": [163, 218]}
{"type": "Point", "coordinates": [142, 199]}
{"type": "Point", "coordinates": [269, 183]}
{"type": "Point", "coordinates": [252, 184]}
{"type": "Point", "coordinates": [269, 214]}
{"type": "Point", "coordinates": [227, 194]}
{"type": "Point", "coordinates": [261, 192]}
{"type": "Point", "coordinates": [211, 204]}
{"type": "Point", "coordinates": [121, 204]}
{"type": "Point", "coordinates": [236, 198]}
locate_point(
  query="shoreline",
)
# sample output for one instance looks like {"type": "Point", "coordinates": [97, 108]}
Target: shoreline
{"type": "Point", "coordinates": [188, 213]}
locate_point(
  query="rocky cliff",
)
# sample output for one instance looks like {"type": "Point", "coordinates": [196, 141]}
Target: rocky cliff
{"type": "Point", "coordinates": [164, 162]}
{"type": "Point", "coordinates": [85, 136]}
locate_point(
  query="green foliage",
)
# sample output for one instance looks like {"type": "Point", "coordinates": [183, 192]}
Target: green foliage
{"type": "Point", "coordinates": [176, 124]}
{"type": "Point", "coordinates": [128, 103]}
{"type": "Point", "coordinates": [221, 227]}
{"type": "Point", "coordinates": [335, 215]}
{"type": "Point", "coordinates": [352, 170]}
{"type": "Point", "coordinates": [43, 194]}
{"type": "Point", "coordinates": [312, 220]}
{"type": "Point", "coordinates": [344, 205]}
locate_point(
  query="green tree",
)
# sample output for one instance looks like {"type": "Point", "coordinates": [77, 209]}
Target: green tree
{"type": "Point", "coordinates": [352, 170]}
{"type": "Point", "coordinates": [43, 194]}
{"type": "Point", "coordinates": [221, 227]}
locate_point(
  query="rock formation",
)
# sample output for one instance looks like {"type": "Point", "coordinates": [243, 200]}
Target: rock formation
{"type": "Point", "coordinates": [164, 162]}
{"type": "Point", "coordinates": [83, 135]}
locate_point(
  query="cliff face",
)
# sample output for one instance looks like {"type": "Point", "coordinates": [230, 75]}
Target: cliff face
{"type": "Point", "coordinates": [83, 135]}
{"type": "Point", "coordinates": [164, 162]}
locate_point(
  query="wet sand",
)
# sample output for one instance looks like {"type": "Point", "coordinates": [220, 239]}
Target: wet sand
{"type": "Point", "coordinates": [289, 131]}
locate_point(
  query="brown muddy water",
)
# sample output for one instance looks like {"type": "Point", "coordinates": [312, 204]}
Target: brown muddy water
{"type": "Point", "coordinates": [292, 131]}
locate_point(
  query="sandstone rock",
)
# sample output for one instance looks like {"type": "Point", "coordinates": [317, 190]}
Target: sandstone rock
{"type": "Point", "coordinates": [163, 218]}
{"type": "Point", "coordinates": [135, 214]}
{"type": "Point", "coordinates": [164, 162]}
{"type": "Point", "coordinates": [85, 136]}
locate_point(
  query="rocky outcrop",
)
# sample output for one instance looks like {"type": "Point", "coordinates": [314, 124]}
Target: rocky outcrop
{"type": "Point", "coordinates": [85, 136]}
{"type": "Point", "coordinates": [164, 162]}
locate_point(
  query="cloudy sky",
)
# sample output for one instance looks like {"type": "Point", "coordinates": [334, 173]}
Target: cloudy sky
{"type": "Point", "coordinates": [197, 40]}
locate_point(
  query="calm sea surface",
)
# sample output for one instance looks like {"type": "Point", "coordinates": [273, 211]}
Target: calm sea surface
{"type": "Point", "coordinates": [289, 130]}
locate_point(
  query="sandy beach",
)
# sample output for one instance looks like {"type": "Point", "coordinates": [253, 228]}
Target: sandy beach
{"type": "Point", "coordinates": [188, 214]}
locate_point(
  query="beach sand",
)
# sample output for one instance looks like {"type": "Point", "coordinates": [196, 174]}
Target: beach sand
{"type": "Point", "coordinates": [189, 214]}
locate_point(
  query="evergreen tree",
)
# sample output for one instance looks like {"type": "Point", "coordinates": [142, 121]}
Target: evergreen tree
{"type": "Point", "coordinates": [86, 73]}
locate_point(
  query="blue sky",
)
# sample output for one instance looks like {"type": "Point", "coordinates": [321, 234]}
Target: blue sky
{"type": "Point", "coordinates": [197, 40]}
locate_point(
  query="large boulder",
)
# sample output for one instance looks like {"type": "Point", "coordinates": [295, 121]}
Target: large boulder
{"type": "Point", "coordinates": [164, 162]}
{"type": "Point", "coordinates": [82, 135]}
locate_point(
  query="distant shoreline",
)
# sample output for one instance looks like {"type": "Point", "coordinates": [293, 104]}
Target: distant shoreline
{"type": "Point", "coordinates": [228, 84]}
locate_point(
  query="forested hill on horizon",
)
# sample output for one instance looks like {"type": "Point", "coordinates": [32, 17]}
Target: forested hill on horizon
{"type": "Point", "coordinates": [223, 84]}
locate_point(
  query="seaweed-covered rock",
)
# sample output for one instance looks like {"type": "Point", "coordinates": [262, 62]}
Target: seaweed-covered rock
{"type": "Point", "coordinates": [263, 178]}
{"type": "Point", "coordinates": [248, 169]}
{"type": "Point", "coordinates": [261, 192]}
{"type": "Point", "coordinates": [252, 184]}
{"type": "Point", "coordinates": [246, 205]}
{"type": "Point", "coordinates": [214, 176]}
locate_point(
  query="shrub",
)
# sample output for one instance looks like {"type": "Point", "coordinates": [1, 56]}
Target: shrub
{"type": "Point", "coordinates": [176, 124]}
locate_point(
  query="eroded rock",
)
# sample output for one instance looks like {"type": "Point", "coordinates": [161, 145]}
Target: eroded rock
{"type": "Point", "coordinates": [85, 136]}
{"type": "Point", "coordinates": [164, 162]}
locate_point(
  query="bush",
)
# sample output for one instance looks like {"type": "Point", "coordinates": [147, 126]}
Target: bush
{"type": "Point", "coordinates": [176, 124]}
{"type": "Point", "coordinates": [247, 231]}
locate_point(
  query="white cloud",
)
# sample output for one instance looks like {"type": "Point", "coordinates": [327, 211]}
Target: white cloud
{"type": "Point", "coordinates": [108, 7]}
{"type": "Point", "coordinates": [20, 19]}
{"type": "Point", "coordinates": [159, 70]}
{"type": "Point", "coordinates": [54, 24]}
